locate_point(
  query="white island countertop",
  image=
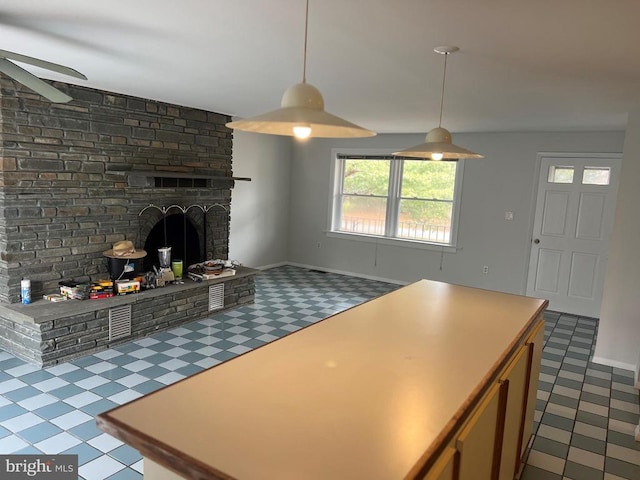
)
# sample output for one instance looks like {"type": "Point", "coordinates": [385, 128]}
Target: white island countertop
{"type": "Point", "coordinates": [368, 393]}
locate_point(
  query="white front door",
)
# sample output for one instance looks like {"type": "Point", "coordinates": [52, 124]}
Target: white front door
{"type": "Point", "coordinates": [575, 207]}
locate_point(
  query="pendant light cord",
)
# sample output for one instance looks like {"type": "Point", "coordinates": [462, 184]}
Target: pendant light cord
{"type": "Point", "coordinates": [444, 76]}
{"type": "Point", "coordinates": [306, 27]}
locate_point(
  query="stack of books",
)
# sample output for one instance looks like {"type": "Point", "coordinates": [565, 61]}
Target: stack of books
{"type": "Point", "coordinates": [55, 297]}
{"type": "Point", "coordinates": [76, 291]}
{"type": "Point", "coordinates": [101, 289]}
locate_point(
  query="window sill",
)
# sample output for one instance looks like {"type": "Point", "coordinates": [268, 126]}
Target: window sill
{"type": "Point", "coordinates": [396, 242]}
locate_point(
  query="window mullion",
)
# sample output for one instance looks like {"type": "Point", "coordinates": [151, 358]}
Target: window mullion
{"type": "Point", "coordinates": [455, 207]}
{"type": "Point", "coordinates": [393, 202]}
{"type": "Point", "coordinates": [339, 196]}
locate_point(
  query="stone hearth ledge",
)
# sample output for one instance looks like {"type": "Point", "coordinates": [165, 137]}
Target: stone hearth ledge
{"type": "Point", "coordinates": [46, 333]}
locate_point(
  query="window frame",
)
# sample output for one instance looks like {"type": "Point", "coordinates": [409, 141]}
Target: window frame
{"type": "Point", "coordinates": [395, 180]}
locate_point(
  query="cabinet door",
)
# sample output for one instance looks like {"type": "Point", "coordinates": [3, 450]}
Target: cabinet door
{"type": "Point", "coordinates": [444, 468]}
{"type": "Point", "coordinates": [535, 343]}
{"type": "Point", "coordinates": [155, 471]}
{"type": "Point", "coordinates": [479, 438]}
{"type": "Point", "coordinates": [516, 381]}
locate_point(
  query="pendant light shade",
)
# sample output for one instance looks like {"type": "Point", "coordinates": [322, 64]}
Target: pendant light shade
{"type": "Point", "coordinates": [301, 113]}
{"type": "Point", "coordinates": [438, 144]}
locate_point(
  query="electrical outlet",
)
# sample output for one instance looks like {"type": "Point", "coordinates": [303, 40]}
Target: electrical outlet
{"type": "Point", "coordinates": [485, 269]}
{"type": "Point", "coordinates": [508, 216]}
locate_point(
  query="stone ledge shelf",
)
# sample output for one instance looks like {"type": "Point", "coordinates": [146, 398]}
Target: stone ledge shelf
{"type": "Point", "coordinates": [45, 333]}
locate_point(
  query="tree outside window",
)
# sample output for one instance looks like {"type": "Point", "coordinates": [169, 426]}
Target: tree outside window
{"type": "Point", "coordinates": [396, 197]}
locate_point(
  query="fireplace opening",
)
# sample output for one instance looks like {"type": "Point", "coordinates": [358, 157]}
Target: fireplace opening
{"type": "Point", "coordinates": [181, 235]}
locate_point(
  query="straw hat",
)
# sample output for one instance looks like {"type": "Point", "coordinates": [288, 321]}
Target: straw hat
{"type": "Point", "coordinates": [124, 249]}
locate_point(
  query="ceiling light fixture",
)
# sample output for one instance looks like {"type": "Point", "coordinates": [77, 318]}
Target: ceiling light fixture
{"type": "Point", "coordinates": [438, 144]}
{"type": "Point", "coordinates": [301, 113]}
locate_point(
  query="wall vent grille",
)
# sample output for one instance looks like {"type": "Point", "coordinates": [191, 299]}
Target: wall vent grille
{"type": "Point", "coordinates": [168, 182]}
{"type": "Point", "coordinates": [119, 322]}
{"type": "Point", "coordinates": [216, 297]}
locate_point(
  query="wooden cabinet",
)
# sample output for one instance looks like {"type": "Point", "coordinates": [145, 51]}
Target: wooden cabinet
{"type": "Point", "coordinates": [534, 343]}
{"type": "Point", "coordinates": [492, 441]}
{"type": "Point", "coordinates": [445, 466]}
{"type": "Point", "coordinates": [515, 384]}
{"type": "Point", "coordinates": [478, 440]}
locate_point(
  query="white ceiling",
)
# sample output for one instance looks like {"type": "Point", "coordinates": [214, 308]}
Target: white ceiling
{"type": "Point", "coordinates": [522, 66]}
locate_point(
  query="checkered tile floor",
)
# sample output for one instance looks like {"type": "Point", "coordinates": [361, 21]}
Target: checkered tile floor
{"type": "Point", "coordinates": [51, 410]}
{"type": "Point", "coordinates": [586, 412]}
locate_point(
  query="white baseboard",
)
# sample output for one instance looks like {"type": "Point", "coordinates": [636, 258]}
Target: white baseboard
{"type": "Point", "coordinates": [614, 363]}
{"type": "Point", "coordinates": [343, 272]}
{"type": "Point", "coordinates": [273, 265]}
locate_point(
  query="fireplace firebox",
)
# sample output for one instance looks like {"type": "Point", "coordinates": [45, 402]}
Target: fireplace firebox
{"type": "Point", "coordinates": [175, 231]}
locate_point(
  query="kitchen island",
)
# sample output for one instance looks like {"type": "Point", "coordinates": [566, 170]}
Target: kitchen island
{"type": "Point", "coordinates": [431, 381]}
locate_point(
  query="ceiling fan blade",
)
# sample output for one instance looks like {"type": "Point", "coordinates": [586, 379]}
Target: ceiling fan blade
{"type": "Point", "coordinates": [34, 83]}
{"type": "Point", "coordinates": [54, 67]}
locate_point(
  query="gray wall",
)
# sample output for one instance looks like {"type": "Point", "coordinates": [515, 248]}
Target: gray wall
{"type": "Point", "coordinates": [618, 341]}
{"type": "Point", "coordinates": [505, 180]}
{"type": "Point", "coordinates": [260, 213]}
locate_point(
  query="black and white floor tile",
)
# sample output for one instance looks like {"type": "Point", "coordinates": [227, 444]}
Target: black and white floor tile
{"type": "Point", "coordinates": [586, 413]}
{"type": "Point", "coordinates": [52, 410]}
{"type": "Point", "coordinates": [585, 418]}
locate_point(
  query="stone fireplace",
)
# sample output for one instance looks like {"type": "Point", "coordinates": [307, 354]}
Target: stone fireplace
{"type": "Point", "coordinates": [76, 178]}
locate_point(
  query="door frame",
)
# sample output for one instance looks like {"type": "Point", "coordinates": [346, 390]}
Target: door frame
{"type": "Point", "coordinates": [534, 196]}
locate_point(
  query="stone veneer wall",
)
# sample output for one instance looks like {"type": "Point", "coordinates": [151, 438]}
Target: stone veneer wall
{"type": "Point", "coordinates": [45, 334]}
{"type": "Point", "coordinates": [65, 179]}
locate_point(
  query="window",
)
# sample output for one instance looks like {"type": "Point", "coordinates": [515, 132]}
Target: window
{"type": "Point", "coordinates": [396, 198]}
{"type": "Point", "coordinates": [596, 175]}
{"type": "Point", "coordinates": [590, 175]}
{"type": "Point", "coordinates": [558, 174]}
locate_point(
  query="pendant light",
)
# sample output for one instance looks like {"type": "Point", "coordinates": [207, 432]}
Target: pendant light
{"type": "Point", "coordinates": [301, 113]}
{"type": "Point", "coordinates": [438, 144]}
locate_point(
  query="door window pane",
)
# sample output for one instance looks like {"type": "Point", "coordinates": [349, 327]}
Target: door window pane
{"type": "Point", "coordinates": [558, 174]}
{"type": "Point", "coordinates": [596, 176]}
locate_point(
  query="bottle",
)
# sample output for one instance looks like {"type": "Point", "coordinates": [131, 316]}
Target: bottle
{"type": "Point", "coordinates": [25, 291]}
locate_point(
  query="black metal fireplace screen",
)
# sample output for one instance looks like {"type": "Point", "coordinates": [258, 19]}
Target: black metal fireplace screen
{"type": "Point", "coordinates": [179, 230]}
